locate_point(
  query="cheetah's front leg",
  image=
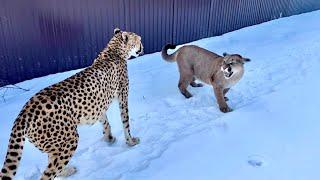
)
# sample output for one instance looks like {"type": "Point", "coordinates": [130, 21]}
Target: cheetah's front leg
{"type": "Point", "coordinates": [123, 105]}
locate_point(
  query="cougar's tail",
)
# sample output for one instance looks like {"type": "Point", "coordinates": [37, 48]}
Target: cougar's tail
{"type": "Point", "coordinates": [14, 152]}
{"type": "Point", "coordinates": [166, 56]}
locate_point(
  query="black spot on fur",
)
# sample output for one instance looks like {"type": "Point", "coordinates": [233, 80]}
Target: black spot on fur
{"type": "Point", "coordinates": [55, 161]}
{"type": "Point", "coordinates": [13, 154]}
{"type": "Point", "coordinates": [4, 170]}
{"type": "Point", "coordinates": [16, 146]}
{"type": "Point", "coordinates": [53, 98]}
{"type": "Point", "coordinates": [47, 174]}
{"type": "Point", "coordinates": [6, 178]}
{"type": "Point", "coordinates": [12, 167]}
{"type": "Point", "coordinates": [48, 106]}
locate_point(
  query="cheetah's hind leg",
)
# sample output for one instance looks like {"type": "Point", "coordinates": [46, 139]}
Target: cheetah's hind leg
{"type": "Point", "coordinates": [107, 135]}
{"type": "Point", "coordinates": [67, 171]}
{"type": "Point", "coordinates": [59, 159]}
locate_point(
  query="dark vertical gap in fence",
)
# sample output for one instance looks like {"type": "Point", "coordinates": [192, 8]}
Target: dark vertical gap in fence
{"type": "Point", "coordinates": [63, 49]}
{"type": "Point", "coordinates": [225, 16]}
{"type": "Point", "coordinates": [231, 14]}
{"type": "Point", "coordinates": [173, 22]}
{"type": "Point", "coordinates": [201, 22]}
{"type": "Point", "coordinates": [263, 10]}
{"type": "Point", "coordinates": [154, 26]}
{"type": "Point", "coordinates": [13, 54]}
{"type": "Point", "coordinates": [3, 48]}
{"type": "Point", "coordinates": [210, 18]}
{"type": "Point", "coordinates": [190, 32]}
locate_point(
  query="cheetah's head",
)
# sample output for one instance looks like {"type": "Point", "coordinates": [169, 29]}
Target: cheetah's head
{"type": "Point", "coordinates": [131, 42]}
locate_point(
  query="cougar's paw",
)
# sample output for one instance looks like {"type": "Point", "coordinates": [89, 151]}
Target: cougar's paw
{"type": "Point", "coordinates": [225, 109]}
{"type": "Point", "coordinates": [133, 141]}
{"type": "Point", "coordinates": [187, 95]}
{"type": "Point", "coordinates": [68, 171]}
{"type": "Point", "coordinates": [200, 85]}
{"type": "Point", "coordinates": [193, 84]}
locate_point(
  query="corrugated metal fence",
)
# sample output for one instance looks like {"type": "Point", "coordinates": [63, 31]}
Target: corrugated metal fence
{"type": "Point", "coordinates": [40, 37]}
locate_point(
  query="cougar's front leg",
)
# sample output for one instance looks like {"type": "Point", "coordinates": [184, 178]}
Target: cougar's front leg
{"type": "Point", "coordinates": [123, 105]}
{"type": "Point", "coordinates": [221, 100]}
{"type": "Point", "coordinates": [225, 91]}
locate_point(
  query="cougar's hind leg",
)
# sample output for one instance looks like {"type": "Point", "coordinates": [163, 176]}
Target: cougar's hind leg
{"type": "Point", "coordinates": [185, 80]}
{"type": "Point", "coordinates": [194, 84]}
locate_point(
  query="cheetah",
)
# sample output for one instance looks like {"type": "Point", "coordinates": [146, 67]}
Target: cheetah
{"type": "Point", "coordinates": [50, 118]}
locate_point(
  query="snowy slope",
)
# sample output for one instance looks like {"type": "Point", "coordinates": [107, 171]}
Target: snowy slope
{"type": "Point", "coordinates": [271, 134]}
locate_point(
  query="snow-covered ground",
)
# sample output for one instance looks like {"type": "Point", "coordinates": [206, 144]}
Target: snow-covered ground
{"type": "Point", "coordinates": [272, 134]}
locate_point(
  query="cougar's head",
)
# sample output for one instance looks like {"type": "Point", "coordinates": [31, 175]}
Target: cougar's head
{"type": "Point", "coordinates": [232, 64]}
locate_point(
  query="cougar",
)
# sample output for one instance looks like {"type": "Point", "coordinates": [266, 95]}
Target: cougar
{"type": "Point", "coordinates": [194, 62]}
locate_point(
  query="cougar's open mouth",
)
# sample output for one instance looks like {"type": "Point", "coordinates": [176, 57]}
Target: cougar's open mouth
{"type": "Point", "coordinates": [229, 74]}
{"type": "Point", "coordinates": [227, 71]}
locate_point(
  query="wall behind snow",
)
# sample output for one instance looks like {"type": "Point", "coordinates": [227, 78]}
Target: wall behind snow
{"type": "Point", "coordinates": [40, 37]}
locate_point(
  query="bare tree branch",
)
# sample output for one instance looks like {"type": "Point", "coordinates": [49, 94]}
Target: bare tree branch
{"type": "Point", "coordinates": [4, 90]}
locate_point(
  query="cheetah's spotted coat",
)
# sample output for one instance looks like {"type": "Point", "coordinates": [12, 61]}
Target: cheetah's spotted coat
{"type": "Point", "coordinates": [50, 118]}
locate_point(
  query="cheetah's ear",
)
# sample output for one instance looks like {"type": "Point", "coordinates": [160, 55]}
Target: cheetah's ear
{"type": "Point", "coordinates": [116, 30]}
{"type": "Point", "coordinates": [125, 37]}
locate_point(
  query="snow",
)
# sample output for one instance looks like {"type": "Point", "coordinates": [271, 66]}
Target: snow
{"type": "Point", "coordinates": [271, 134]}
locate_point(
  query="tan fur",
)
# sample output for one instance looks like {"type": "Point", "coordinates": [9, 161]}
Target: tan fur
{"type": "Point", "coordinates": [198, 63]}
{"type": "Point", "coordinates": [51, 117]}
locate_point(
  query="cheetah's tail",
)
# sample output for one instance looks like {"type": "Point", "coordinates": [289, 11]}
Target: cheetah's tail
{"type": "Point", "coordinates": [14, 152]}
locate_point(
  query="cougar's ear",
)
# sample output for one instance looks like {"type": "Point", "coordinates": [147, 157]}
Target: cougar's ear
{"type": "Point", "coordinates": [225, 54]}
{"type": "Point", "coordinates": [125, 37]}
{"type": "Point", "coordinates": [246, 59]}
{"type": "Point", "coordinates": [116, 30]}
{"type": "Point", "coordinates": [225, 57]}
